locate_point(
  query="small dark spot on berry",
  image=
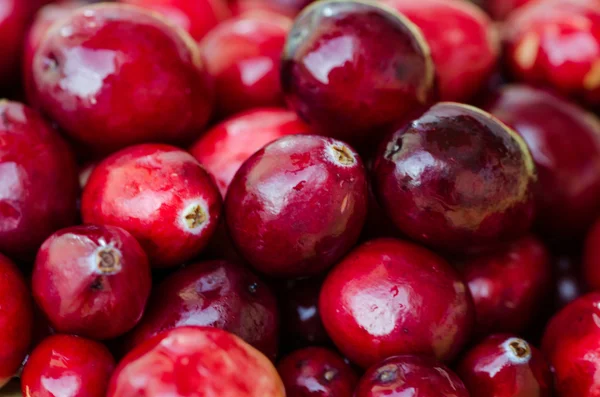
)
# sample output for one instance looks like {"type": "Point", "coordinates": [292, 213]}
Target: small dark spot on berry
{"type": "Point", "coordinates": [253, 288]}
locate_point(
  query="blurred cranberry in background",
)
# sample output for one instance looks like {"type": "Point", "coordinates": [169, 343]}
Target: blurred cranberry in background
{"type": "Point", "coordinates": [290, 8]}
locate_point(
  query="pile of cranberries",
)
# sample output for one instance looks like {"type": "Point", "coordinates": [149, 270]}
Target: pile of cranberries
{"type": "Point", "coordinates": [301, 198]}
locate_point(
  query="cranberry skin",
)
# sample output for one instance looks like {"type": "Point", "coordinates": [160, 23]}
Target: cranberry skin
{"type": "Point", "coordinates": [569, 283]}
{"type": "Point", "coordinates": [591, 258]}
{"type": "Point", "coordinates": [291, 8]}
{"type": "Point", "coordinates": [410, 376]}
{"type": "Point", "coordinates": [67, 365]}
{"type": "Point", "coordinates": [316, 372]}
{"type": "Point", "coordinates": [189, 361]}
{"type": "Point", "coordinates": [500, 9]}
{"type": "Point", "coordinates": [456, 179]}
{"type": "Point", "coordinates": [16, 319]}
{"type": "Point", "coordinates": [350, 68]}
{"type": "Point", "coordinates": [109, 93]}
{"type": "Point", "coordinates": [39, 181]}
{"type": "Point", "coordinates": [390, 297]}
{"type": "Point", "coordinates": [224, 148]}
{"type": "Point", "coordinates": [297, 205]}
{"type": "Point", "coordinates": [158, 193]}
{"type": "Point", "coordinates": [505, 366]}
{"type": "Point", "coordinates": [214, 294]}
{"type": "Point", "coordinates": [564, 141]}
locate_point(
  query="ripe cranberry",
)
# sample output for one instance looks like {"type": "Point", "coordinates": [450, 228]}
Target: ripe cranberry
{"type": "Point", "coordinates": [315, 371]}
{"type": "Point", "coordinates": [505, 366]}
{"type": "Point", "coordinates": [297, 205]}
{"type": "Point", "coordinates": [197, 17]}
{"type": "Point", "coordinates": [64, 365]}
{"type": "Point", "coordinates": [291, 8]}
{"type": "Point", "coordinates": [392, 297]}
{"type": "Point", "coordinates": [464, 44]}
{"type": "Point", "coordinates": [591, 258]}
{"type": "Point", "coordinates": [108, 93]}
{"type": "Point", "coordinates": [410, 376]}
{"type": "Point", "coordinates": [556, 43]}
{"type": "Point", "coordinates": [195, 361]}
{"type": "Point", "coordinates": [16, 319]}
{"type": "Point", "coordinates": [213, 294]}
{"type": "Point", "coordinates": [158, 193]}
{"type": "Point", "coordinates": [350, 68]}
{"type": "Point", "coordinates": [500, 9]}
{"type": "Point", "coordinates": [564, 141]}
{"type": "Point", "coordinates": [38, 192]}
{"type": "Point", "coordinates": [457, 179]}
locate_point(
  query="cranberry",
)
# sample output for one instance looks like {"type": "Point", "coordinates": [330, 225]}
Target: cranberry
{"type": "Point", "coordinates": [64, 365]}
{"type": "Point", "coordinates": [108, 93]}
{"type": "Point", "coordinates": [315, 371]}
{"type": "Point", "coordinates": [568, 280]}
{"type": "Point", "coordinates": [158, 193]}
{"type": "Point", "coordinates": [457, 179]}
{"type": "Point", "coordinates": [500, 9]}
{"type": "Point", "coordinates": [215, 294]}
{"type": "Point", "coordinates": [38, 192]}
{"type": "Point", "coordinates": [464, 44]}
{"type": "Point", "coordinates": [290, 8]}
{"type": "Point", "coordinates": [410, 376]}
{"type": "Point", "coordinates": [352, 67]}
{"type": "Point", "coordinates": [591, 259]}
{"type": "Point", "coordinates": [16, 319]}
{"type": "Point", "coordinates": [565, 144]}
{"type": "Point", "coordinates": [297, 205]}
{"type": "Point", "coordinates": [505, 366]}
{"type": "Point", "coordinates": [556, 43]}
{"type": "Point", "coordinates": [392, 297]}
{"type": "Point", "coordinates": [195, 361]}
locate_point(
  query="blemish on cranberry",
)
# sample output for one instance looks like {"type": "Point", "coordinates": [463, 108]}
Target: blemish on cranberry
{"type": "Point", "coordinates": [196, 217]}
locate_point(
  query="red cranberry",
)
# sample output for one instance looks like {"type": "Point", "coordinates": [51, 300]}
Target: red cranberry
{"type": "Point", "coordinates": [315, 371]}
{"type": "Point", "coordinates": [224, 148]}
{"type": "Point", "coordinates": [297, 205]}
{"type": "Point", "coordinates": [107, 92]}
{"type": "Point", "coordinates": [556, 43]}
{"type": "Point", "coordinates": [392, 297]}
{"type": "Point", "coordinates": [64, 365]}
{"type": "Point", "coordinates": [195, 361]}
{"type": "Point", "coordinates": [500, 9]}
{"type": "Point", "coordinates": [352, 67]}
{"type": "Point", "coordinates": [16, 319]}
{"type": "Point", "coordinates": [290, 8]}
{"type": "Point", "coordinates": [591, 259]}
{"type": "Point", "coordinates": [564, 141]}
{"type": "Point", "coordinates": [158, 193]}
{"type": "Point", "coordinates": [464, 44]}
{"type": "Point", "coordinates": [457, 179]}
{"type": "Point", "coordinates": [410, 376]}
{"type": "Point", "coordinates": [569, 283]}
{"type": "Point", "coordinates": [505, 366]}
{"type": "Point", "coordinates": [243, 56]}
{"type": "Point", "coordinates": [38, 192]}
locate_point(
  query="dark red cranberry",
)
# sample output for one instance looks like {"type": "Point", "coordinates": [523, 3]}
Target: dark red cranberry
{"type": "Point", "coordinates": [108, 93]}
{"type": "Point", "coordinates": [392, 297]}
{"type": "Point", "coordinates": [500, 9]}
{"type": "Point", "coordinates": [38, 191]}
{"type": "Point", "coordinates": [224, 148]}
{"type": "Point", "coordinates": [505, 366]}
{"type": "Point", "coordinates": [158, 193]}
{"type": "Point", "coordinates": [569, 283]}
{"type": "Point", "coordinates": [591, 258]}
{"type": "Point", "coordinates": [457, 179]}
{"type": "Point", "coordinates": [195, 361]}
{"type": "Point", "coordinates": [402, 376]}
{"type": "Point", "coordinates": [564, 141]}
{"type": "Point", "coordinates": [351, 67]}
{"type": "Point", "coordinates": [316, 372]}
{"type": "Point", "coordinates": [290, 8]}
{"type": "Point", "coordinates": [64, 365]}
{"type": "Point", "coordinates": [297, 205]}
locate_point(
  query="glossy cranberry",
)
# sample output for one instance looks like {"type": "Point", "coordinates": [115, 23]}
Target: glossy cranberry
{"type": "Point", "coordinates": [195, 361]}
{"type": "Point", "coordinates": [350, 68]}
{"type": "Point", "coordinates": [38, 191]}
{"type": "Point", "coordinates": [556, 43]}
{"type": "Point", "coordinates": [290, 8]}
{"type": "Point", "coordinates": [158, 193]}
{"type": "Point", "coordinates": [224, 148]}
{"type": "Point", "coordinates": [457, 179]}
{"type": "Point", "coordinates": [64, 365]}
{"type": "Point", "coordinates": [390, 297]}
{"type": "Point", "coordinates": [297, 205]}
{"type": "Point", "coordinates": [505, 366]}
{"type": "Point", "coordinates": [316, 372]}
{"type": "Point", "coordinates": [564, 141]}
{"type": "Point", "coordinates": [108, 93]}
{"type": "Point", "coordinates": [464, 43]}
{"type": "Point", "coordinates": [410, 376]}
{"type": "Point", "coordinates": [569, 283]}
{"type": "Point", "coordinates": [500, 9]}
